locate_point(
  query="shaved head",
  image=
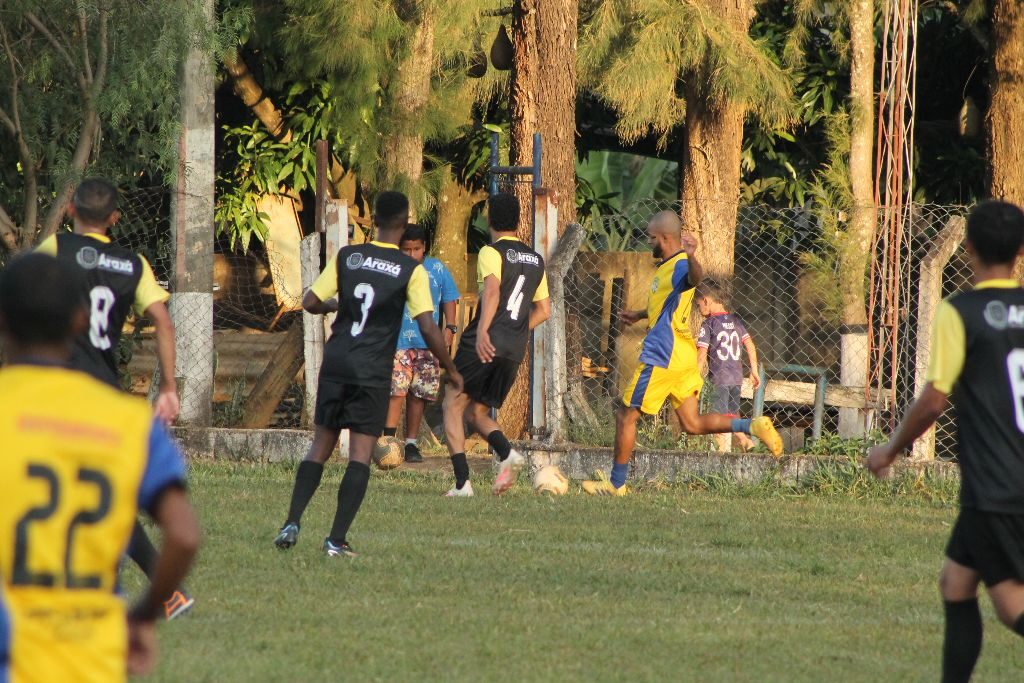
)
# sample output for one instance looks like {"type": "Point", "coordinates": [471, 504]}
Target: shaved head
{"type": "Point", "coordinates": [666, 223]}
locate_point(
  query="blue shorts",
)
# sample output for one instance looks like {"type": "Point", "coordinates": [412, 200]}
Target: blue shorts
{"type": "Point", "coordinates": [726, 400]}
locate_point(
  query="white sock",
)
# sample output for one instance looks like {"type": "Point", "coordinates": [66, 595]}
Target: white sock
{"type": "Point", "coordinates": [410, 442]}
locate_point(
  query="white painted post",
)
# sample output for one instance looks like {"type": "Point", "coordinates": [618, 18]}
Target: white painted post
{"type": "Point", "coordinates": [336, 233]}
{"type": "Point", "coordinates": [312, 326]}
{"type": "Point", "coordinates": [545, 237]}
{"type": "Point", "coordinates": [928, 298]}
{"type": "Point", "coordinates": [191, 307]}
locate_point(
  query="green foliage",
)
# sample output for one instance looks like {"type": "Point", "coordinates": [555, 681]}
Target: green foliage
{"type": "Point", "coordinates": [832, 444]}
{"type": "Point", "coordinates": [640, 57]}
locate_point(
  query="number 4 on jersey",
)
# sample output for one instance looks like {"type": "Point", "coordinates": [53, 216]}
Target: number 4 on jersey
{"type": "Point", "coordinates": [515, 300]}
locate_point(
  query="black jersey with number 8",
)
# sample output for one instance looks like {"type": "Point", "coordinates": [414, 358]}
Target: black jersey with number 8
{"type": "Point", "coordinates": [372, 283]}
{"type": "Point", "coordinates": [989, 399]}
{"type": "Point", "coordinates": [522, 271]}
{"type": "Point", "coordinates": [113, 275]}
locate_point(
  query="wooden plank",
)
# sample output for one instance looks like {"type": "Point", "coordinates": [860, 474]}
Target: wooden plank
{"type": "Point", "coordinates": [270, 387]}
{"type": "Point", "coordinates": [802, 393]}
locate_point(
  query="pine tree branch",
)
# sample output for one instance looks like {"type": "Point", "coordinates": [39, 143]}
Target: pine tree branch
{"type": "Point", "coordinates": [12, 122]}
{"type": "Point", "coordinates": [83, 31]}
{"type": "Point", "coordinates": [59, 47]}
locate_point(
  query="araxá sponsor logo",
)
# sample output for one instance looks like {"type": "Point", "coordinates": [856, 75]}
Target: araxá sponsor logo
{"type": "Point", "coordinates": [1000, 316]}
{"type": "Point", "coordinates": [359, 261]}
{"type": "Point", "coordinates": [89, 258]}
{"type": "Point", "coordinates": [514, 256]}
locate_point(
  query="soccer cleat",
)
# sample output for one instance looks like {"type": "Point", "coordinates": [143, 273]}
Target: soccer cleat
{"type": "Point", "coordinates": [508, 472]}
{"type": "Point", "coordinates": [762, 428]}
{"type": "Point", "coordinates": [287, 537]}
{"type": "Point", "coordinates": [602, 487]}
{"type": "Point", "coordinates": [412, 453]}
{"type": "Point", "coordinates": [465, 492]}
{"type": "Point", "coordinates": [177, 604]}
{"type": "Point", "coordinates": [342, 549]}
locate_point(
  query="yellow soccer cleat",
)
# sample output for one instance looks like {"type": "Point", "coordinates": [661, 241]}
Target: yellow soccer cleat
{"type": "Point", "coordinates": [602, 487]}
{"type": "Point", "coordinates": [762, 428]}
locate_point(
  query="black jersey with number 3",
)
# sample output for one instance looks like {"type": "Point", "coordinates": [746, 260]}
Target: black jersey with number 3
{"type": "Point", "coordinates": [113, 274]}
{"type": "Point", "coordinates": [372, 282]}
{"type": "Point", "coordinates": [522, 270]}
{"type": "Point", "coordinates": [989, 399]}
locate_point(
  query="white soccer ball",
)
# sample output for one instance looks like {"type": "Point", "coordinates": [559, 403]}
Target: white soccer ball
{"type": "Point", "coordinates": [549, 479]}
{"type": "Point", "coordinates": [388, 453]}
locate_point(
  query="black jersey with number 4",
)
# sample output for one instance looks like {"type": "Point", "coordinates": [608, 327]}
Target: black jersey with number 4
{"type": "Point", "coordinates": [522, 270]}
{"type": "Point", "coordinates": [372, 282]}
{"type": "Point", "coordinates": [989, 400]}
{"type": "Point", "coordinates": [112, 274]}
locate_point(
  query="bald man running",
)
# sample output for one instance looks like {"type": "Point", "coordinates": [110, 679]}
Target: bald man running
{"type": "Point", "coordinates": [668, 359]}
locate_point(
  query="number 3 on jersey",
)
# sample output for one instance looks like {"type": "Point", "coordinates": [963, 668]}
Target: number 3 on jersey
{"type": "Point", "coordinates": [101, 302]}
{"type": "Point", "coordinates": [1015, 366]}
{"type": "Point", "coordinates": [364, 293]}
{"type": "Point", "coordinates": [515, 300]}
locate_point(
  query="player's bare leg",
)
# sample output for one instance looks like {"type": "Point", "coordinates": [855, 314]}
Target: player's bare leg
{"type": "Point", "coordinates": [351, 492]}
{"type": "Point", "coordinates": [395, 404]}
{"type": "Point", "coordinates": [454, 409]}
{"type": "Point", "coordinates": [716, 423]}
{"type": "Point", "coordinates": [625, 440]}
{"type": "Point", "coordinates": [1008, 599]}
{"type": "Point", "coordinates": [414, 407]}
{"type": "Point", "coordinates": [962, 645]}
{"type": "Point", "coordinates": [307, 480]}
{"type": "Point", "coordinates": [723, 442]}
{"type": "Point", "coordinates": [511, 461]}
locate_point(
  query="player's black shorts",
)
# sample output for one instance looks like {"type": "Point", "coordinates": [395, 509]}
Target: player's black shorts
{"type": "Point", "coordinates": [487, 383]}
{"type": "Point", "coordinates": [352, 406]}
{"type": "Point", "coordinates": [990, 543]}
{"type": "Point", "coordinates": [725, 400]}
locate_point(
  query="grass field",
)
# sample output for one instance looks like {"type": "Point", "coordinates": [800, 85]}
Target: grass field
{"type": "Point", "coordinates": [719, 584]}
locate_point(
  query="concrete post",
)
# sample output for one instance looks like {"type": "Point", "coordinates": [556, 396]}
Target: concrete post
{"type": "Point", "coordinates": [312, 326]}
{"type": "Point", "coordinates": [191, 306]}
{"type": "Point", "coordinates": [544, 417]}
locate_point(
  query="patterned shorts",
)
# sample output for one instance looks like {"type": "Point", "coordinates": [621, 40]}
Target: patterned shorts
{"type": "Point", "coordinates": [416, 372]}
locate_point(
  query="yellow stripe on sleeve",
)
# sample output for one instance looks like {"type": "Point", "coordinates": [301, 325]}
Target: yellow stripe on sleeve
{"type": "Point", "coordinates": [417, 293]}
{"type": "Point", "coordinates": [148, 291]}
{"type": "Point", "coordinates": [326, 285]}
{"type": "Point", "coordinates": [542, 289]}
{"type": "Point", "coordinates": [48, 246]}
{"type": "Point", "coordinates": [488, 262]}
{"type": "Point", "coordinates": [949, 348]}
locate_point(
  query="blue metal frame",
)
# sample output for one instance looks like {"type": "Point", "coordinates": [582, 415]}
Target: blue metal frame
{"type": "Point", "coordinates": [821, 385]}
{"type": "Point", "coordinates": [532, 171]}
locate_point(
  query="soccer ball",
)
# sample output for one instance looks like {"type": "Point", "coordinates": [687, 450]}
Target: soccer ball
{"type": "Point", "coordinates": [387, 453]}
{"type": "Point", "coordinates": [549, 479]}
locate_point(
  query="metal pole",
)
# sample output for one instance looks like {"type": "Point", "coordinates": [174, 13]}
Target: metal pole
{"type": "Point", "coordinates": [537, 152]}
{"type": "Point", "coordinates": [494, 163]}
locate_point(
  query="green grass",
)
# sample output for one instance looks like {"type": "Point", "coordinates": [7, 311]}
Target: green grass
{"type": "Point", "coordinates": [690, 583]}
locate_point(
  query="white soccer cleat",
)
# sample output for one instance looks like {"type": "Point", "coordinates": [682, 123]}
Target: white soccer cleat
{"type": "Point", "coordinates": [465, 492]}
{"type": "Point", "coordinates": [508, 472]}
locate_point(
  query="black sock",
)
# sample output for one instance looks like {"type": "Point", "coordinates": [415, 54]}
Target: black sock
{"type": "Point", "coordinates": [461, 468]}
{"type": "Point", "coordinates": [962, 643]}
{"type": "Point", "coordinates": [500, 444]}
{"type": "Point", "coordinates": [141, 549]}
{"type": "Point", "coordinates": [390, 431]}
{"type": "Point", "coordinates": [350, 497]}
{"type": "Point", "coordinates": [307, 479]}
{"type": "Point", "coordinates": [1018, 626]}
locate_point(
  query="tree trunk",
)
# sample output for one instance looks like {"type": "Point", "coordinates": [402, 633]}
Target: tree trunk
{"type": "Point", "coordinates": [1005, 136]}
{"type": "Point", "coordinates": [855, 247]}
{"type": "Point", "coordinates": [402, 153]}
{"type": "Point", "coordinates": [544, 96]}
{"type": "Point", "coordinates": [251, 93]}
{"type": "Point", "coordinates": [709, 172]}
{"type": "Point", "coordinates": [454, 207]}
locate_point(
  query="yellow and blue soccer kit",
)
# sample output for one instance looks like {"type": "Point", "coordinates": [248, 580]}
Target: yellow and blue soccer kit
{"type": "Point", "coordinates": [668, 359]}
{"type": "Point", "coordinates": [79, 459]}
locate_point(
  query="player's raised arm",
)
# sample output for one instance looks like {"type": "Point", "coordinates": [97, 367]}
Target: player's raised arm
{"type": "Point", "coordinates": [319, 298]}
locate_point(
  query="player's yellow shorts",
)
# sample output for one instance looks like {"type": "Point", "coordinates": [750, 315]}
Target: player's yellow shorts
{"type": "Point", "coordinates": [651, 385]}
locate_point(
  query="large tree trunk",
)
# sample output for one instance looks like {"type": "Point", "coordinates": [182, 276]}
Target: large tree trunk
{"type": "Point", "coordinates": [455, 205]}
{"type": "Point", "coordinates": [1005, 135]}
{"type": "Point", "coordinates": [543, 101]}
{"type": "Point", "coordinates": [855, 248]}
{"type": "Point", "coordinates": [251, 93]}
{"type": "Point", "coordinates": [709, 172]}
{"type": "Point", "coordinates": [402, 152]}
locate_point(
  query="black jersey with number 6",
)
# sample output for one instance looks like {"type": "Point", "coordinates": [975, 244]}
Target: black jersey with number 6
{"type": "Point", "coordinates": [989, 399]}
{"type": "Point", "coordinates": [372, 282]}
{"type": "Point", "coordinates": [113, 274]}
{"type": "Point", "coordinates": [522, 270]}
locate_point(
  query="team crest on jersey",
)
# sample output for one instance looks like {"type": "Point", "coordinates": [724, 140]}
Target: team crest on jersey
{"type": "Point", "coordinates": [358, 261]}
{"type": "Point", "coordinates": [514, 256]}
{"type": "Point", "coordinates": [654, 285]}
{"type": "Point", "coordinates": [89, 258]}
{"type": "Point", "coordinates": [999, 316]}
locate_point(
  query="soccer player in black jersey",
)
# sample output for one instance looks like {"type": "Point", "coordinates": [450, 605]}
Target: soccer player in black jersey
{"type": "Point", "coordinates": [977, 364]}
{"type": "Point", "coordinates": [374, 283]}
{"type": "Point", "coordinates": [117, 281]}
{"type": "Point", "coordinates": [513, 301]}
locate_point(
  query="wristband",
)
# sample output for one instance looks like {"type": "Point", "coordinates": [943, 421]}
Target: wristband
{"type": "Point", "coordinates": [454, 329]}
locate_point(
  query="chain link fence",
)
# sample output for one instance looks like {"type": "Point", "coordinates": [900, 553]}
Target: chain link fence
{"type": "Point", "coordinates": [257, 322]}
{"type": "Point", "coordinates": [787, 287]}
